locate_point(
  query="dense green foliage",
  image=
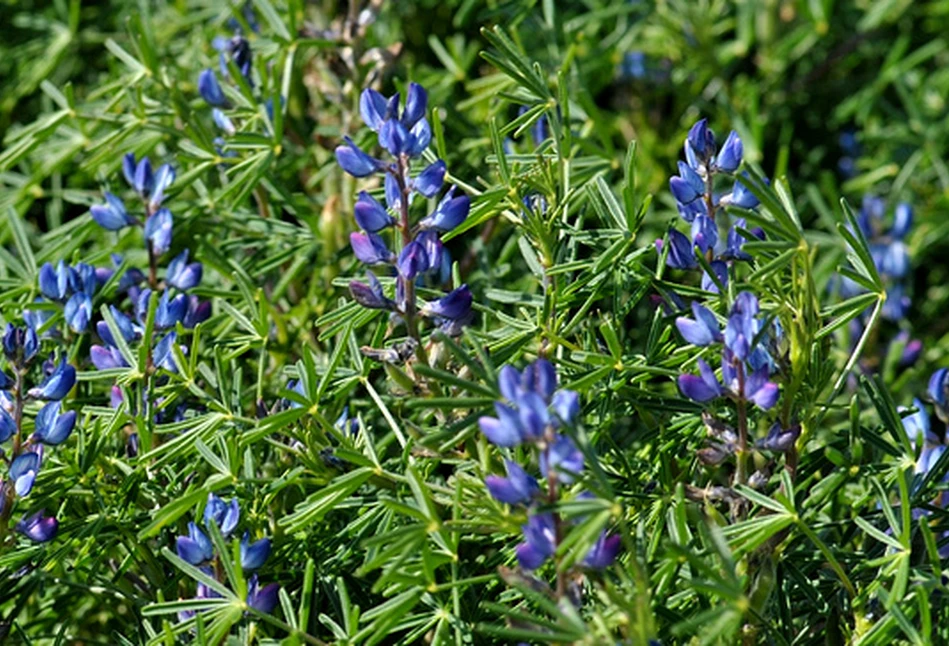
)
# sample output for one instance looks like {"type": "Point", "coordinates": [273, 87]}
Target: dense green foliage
{"type": "Point", "coordinates": [382, 529]}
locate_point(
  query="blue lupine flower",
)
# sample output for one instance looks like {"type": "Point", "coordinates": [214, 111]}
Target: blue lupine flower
{"type": "Point", "coordinates": [222, 514]}
{"type": "Point", "coordinates": [517, 488]}
{"type": "Point", "coordinates": [455, 305]}
{"type": "Point", "coordinates": [112, 215]}
{"type": "Point", "coordinates": [430, 180]}
{"type": "Point", "coordinates": [158, 229]}
{"type": "Point", "coordinates": [372, 108]}
{"type": "Point", "coordinates": [371, 216]}
{"type": "Point", "coordinates": [170, 310]}
{"type": "Point", "coordinates": [540, 541]}
{"type": "Point", "coordinates": [700, 141]}
{"type": "Point", "coordinates": [210, 89]}
{"type": "Point", "coordinates": [54, 283]}
{"type": "Point", "coordinates": [195, 548]}
{"type": "Point", "coordinates": [416, 103]}
{"type": "Point", "coordinates": [355, 162]}
{"type": "Point", "coordinates": [563, 458]}
{"type": "Point", "coordinates": [19, 344]}
{"type": "Point", "coordinates": [370, 249]}
{"type": "Point", "coordinates": [449, 213]}
{"type": "Point", "coordinates": [720, 271]}
{"type": "Point", "coordinates": [127, 328]}
{"type": "Point", "coordinates": [38, 527]}
{"type": "Point", "coordinates": [371, 295]}
{"type": "Point", "coordinates": [162, 355]}
{"type": "Point", "coordinates": [687, 186]}
{"type": "Point", "coordinates": [262, 599]}
{"type": "Point", "coordinates": [700, 388]}
{"type": "Point", "coordinates": [164, 177]}
{"type": "Point", "coordinates": [938, 388]}
{"type": "Point", "coordinates": [729, 157]}
{"type": "Point", "coordinates": [142, 177]}
{"type": "Point", "coordinates": [52, 427]}
{"type": "Point", "coordinates": [198, 311]}
{"type": "Point", "coordinates": [7, 427]}
{"type": "Point", "coordinates": [740, 196]}
{"type": "Point", "coordinates": [681, 255]}
{"type": "Point", "coordinates": [78, 311]}
{"type": "Point", "coordinates": [253, 555]}
{"type": "Point", "coordinates": [412, 260]}
{"type": "Point", "coordinates": [704, 233]}
{"type": "Point", "coordinates": [603, 552]}
{"type": "Point", "coordinates": [703, 329]}
{"type": "Point", "coordinates": [57, 385]}
{"type": "Point", "coordinates": [182, 274]}
{"type": "Point", "coordinates": [23, 472]}
{"type": "Point", "coordinates": [566, 407]}
{"type": "Point", "coordinates": [223, 122]}
{"type": "Point", "coordinates": [236, 49]}
{"type": "Point", "coordinates": [107, 357]}
{"type": "Point", "coordinates": [780, 439]}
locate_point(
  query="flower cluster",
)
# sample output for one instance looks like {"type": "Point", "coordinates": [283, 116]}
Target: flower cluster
{"type": "Point", "coordinates": [405, 134]}
{"type": "Point", "coordinates": [234, 50]}
{"type": "Point", "coordinates": [749, 346]}
{"type": "Point", "coordinates": [533, 413]}
{"type": "Point", "coordinates": [698, 204]}
{"type": "Point", "coordinates": [930, 445]}
{"type": "Point", "coordinates": [174, 305]}
{"type": "Point", "coordinates": [51, 426]}
{"type": "Point", "coordinates": [197, 549]}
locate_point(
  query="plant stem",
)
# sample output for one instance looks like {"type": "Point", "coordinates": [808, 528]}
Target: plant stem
{"type": "Point", "coordinates": [408, 286]}
{"type": "Point", "coordinates": [742, 473]}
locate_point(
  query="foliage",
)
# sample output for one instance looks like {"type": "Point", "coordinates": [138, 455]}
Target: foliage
{"type": "Point", "coordinates": [727, 383]}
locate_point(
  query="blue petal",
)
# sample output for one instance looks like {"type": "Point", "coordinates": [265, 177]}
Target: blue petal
{"type": "Point", "coordinates": [370, 215]}
{"type": "Point", "coordinates": [372, 108]}
{"type": "Point", "coordinates": [430, 180]}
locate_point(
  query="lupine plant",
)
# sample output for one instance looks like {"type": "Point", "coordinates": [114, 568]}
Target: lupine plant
{"type": "Point", "coordinates": [471, 322]}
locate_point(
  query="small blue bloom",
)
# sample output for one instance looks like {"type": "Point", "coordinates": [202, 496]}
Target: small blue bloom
{"type": "Point", "coordinates": [681, 254]}
{"type": "Point", "coordinates": [563, 458]}
{"type": "Point", "coordinates": [253, 555]}
{"type": "Point", "coordinates": [106, 358]}
{"type": "Point", "coordinates": [195, 548]}
{"type": "Point", "coordinates": [7, 428]}
{"type": "Point", "coordinates": [371, 216]}
{"type": "Point", "coordinates": [396, 138]}
{"type": "Point", "coordinates": [703, 329]}
{"type": "Point", "coordinates": [902, 220]}
{"type": "Point", "coordinates": [371, 295]}
{"type": "Point", "coordinates": [223, 122]}
{"type": "Point", "coordinates": [38, 527]}
{"type": "Point", "coordinates": [687, 186]}
{"type": "Point", "coordinates": [517, 488]}
{"type": "Point", "coordinates": [740, 197]}
{"type": "Point", "coordinates": [183, 275]}
{"type": "Point", "coordinates": [430, 180]}
{"type": "Point", "coordinates": [939, 387]}
{"type": "Point", "coordinates": [78, 311]}
{"type": "Point", "coordinates": [421, 136]}
{"type": "Point", "coordinates": [370, 249]}
{"type": "Point", "coordinates": [355, 162]}
{"type": "Point", "coordinates": [729, 157]}
{"type": "Point", "coordinates": [700, 388]}
{"type": "Point", "coordinates": [222, 514]}
{"type": "Point", "coordinates": [540, 541]}
{"type": "Point", "coordinates": [704, 233]}
{"type": "Point", "coordinates": [57, 385]}
{"type": "Point", "coordinates": [603, 552]}
{"type": "Point", "coordinates": [112, 215]}
{"type": "Point", "coordinates": [23, 472]}
{"type": "Point", "coordinates": [454, 305]}
{"type": "Point", "coordinates": [701, 140]}
{"type": "Point", "coordinates": [18, 342]}
{"type": "Point", "coordinates": [127, 328]}
{"type": "Point", "coordinates": [54, 283]}
{"type": "Point", "coordinates": [211, 90]}
{"type": "Point", "coordinates": [52, 427]}
{"type": "Point", "coordinates": [780, 439]}
{"type": "Point", "coordinates": [262, 599]}
{"type": "Point", "coordinates": [164, 178]}
{"type": "Point", "coordinates": [566, 406]}
{"type": "Point", "coordinates": [372, 108]}
{"type": "Point", "coordinates": [412, 261]}
{"type": "Point", "coordinates": [416, 102]}
{"type": "Point", "coordinates": [142, 180]}
{"type": "Point", "coordinates": [450, 212]}
{"type": "Point", "coordinates": [169, 311]}
{"type": "Point", "coordinates": [198, 312]}
{"type": "Point", "coordinates": [158, 231]}
{"type": "Point", "coordinates": [163, 356]}
{"type": "Point", "coordinates": [393, 192]}
{"type": "Point", "coordinates": [720, 271]}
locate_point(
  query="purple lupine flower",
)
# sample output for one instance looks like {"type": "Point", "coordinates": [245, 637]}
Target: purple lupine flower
{"type": "Point", "coordinates": [681, 255]}
{"type": "Point", "coordinates": [182, 274]}
{"type": "Point", "coordinates": [57, 384]}
{"type": "Point", "coordinates": [355, 162]}
{"type": "Point", "coordinates": [52, 427]}
{"type": "Point", "coordinates": [210, 89]}
{"type": "Point", "coordinates": [563, 458]}
{"type": "Point", "coordinates": [39, 527]}
{"type": "Point", "coordinates": [371, 216]}
{"type": "Point", "coordinates": [262, 599]}
{"type": "Point", "coordinates": [703, 329]}
{"type": "Point", "coordinates": [603, 552]}
{"type": "Point", "coordinates": [729, 157]}
{"type": "Point", "coordinates": [253, 555]}
{"type": "Point", "coordinates": [195, 548]}
{"type": "Point", "coordinates": [371, 295]}
{"type": "Point", "coordinates": [370, 249]}
{"type": "Point", "coordinates": [23, 471]}
{"type": "Point", "coordinates": [780, 439]}
{"type": "Point", "coordinates": [517, 488]}
{"type": "Point", "coordinates": [540, 541]}
{"type": "Point", "coordinates": [449, 213]}
{"type": "Point", "coordinates": [112, 215]}
{"type": "Point", "coordinates": [454, 305]}
{"type": "Point", "coordinates": [222, 514]}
